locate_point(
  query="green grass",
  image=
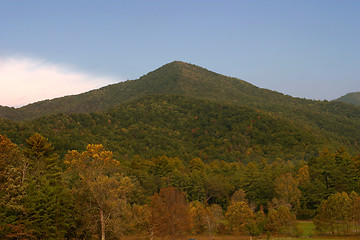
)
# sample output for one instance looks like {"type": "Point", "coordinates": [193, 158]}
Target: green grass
{"type": "Point", "coordinates": [243, 238]}
{"type": "Point", "coordinates": [316, 238]}
{"type": "Point", "coordinates": [307, 227]}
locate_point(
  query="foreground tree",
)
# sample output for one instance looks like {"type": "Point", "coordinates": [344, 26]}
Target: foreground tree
{"type": "Point", "coordinates": [281, 220]}
{"type": "Point", "coordinates": [355, 211]}
{"type": "Point", "coordinates": [205, 218]}
{"type": "Point", "coordinates": [12, 192]}
{"type": "Point", "coordinates": [100, 187]}
{"type": "Point", "coordinates": [335, 214]}
{"type": "Point", "coordinates": [170, 215]}
{"type": "Point", "coordinates": [212, 217]}
{"type": "Point", "coordinates": [48, 201]}
{"type": "Point", "coordinates": [239, 216]}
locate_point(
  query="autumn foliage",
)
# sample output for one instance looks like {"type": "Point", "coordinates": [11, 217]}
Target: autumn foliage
{"type": "Point", "coordinates": [170, 216]}
{"type": "Point", "coordinates": [98, 194]}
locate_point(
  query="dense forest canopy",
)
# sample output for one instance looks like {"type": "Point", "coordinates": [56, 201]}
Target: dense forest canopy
{"type": "Point", "coordinates": [338, 121]}
{"type": "Point", "coordinates": [91, 193]}
{"type": "Point", "coordinates": [178, 126]}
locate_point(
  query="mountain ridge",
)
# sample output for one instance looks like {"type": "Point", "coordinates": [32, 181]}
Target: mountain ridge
{"type": "Point", "coordinates": [335, 120]}
{"type": "Point", "coordinates": [351, 98]}
{"type": "Point", "coordinates": [173, 78]}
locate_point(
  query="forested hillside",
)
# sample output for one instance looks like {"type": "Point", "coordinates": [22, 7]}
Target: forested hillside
{"type": "Point", "coordinates": [352, 98]}
{"type": "Point", "coordinates": [339, 121]}
{"type": "Point", "coordinates": [180, 151]}
{"type": "Point", "coordinates": [178, 126]}
{"type": "Point", "coordinates": [92, 194]}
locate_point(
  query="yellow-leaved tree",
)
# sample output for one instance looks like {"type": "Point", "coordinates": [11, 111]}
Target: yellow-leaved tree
{"type": "Point", "coordinates": [100, 189]}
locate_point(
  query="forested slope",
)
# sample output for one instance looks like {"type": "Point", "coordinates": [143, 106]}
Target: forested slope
{"type": "Point", "coordinates": [177, 126]}
{"type": "Point", "coordinates": [241, 160]}
{"type": "Point", "coordinates": [352, 98]}
{"type": "Point", "coordinates": [335, 119]}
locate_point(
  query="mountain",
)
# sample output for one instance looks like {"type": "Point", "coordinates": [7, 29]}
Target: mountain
{"type": "Point", "coordinates": [173, 78]}
{"type": "Point", "coordinates": [352, 98]}
{"type": "Point", "coordinates": [337, 121]}
{"type": "Point", "coordinates": [9, 113]}
{"type": "Point", "coordinates": [177, 126]}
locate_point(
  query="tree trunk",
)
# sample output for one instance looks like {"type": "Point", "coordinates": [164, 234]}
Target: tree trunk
{"type": "Point", "coordinates": [152, 235]}
{"type": "Point", "coordinates": [25, 166]}
{"type": "Point", "coordinates": [102, 222]}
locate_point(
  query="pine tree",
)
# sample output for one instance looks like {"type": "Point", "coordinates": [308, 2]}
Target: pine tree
{"type": "Point", "coordinates": [48, 200]}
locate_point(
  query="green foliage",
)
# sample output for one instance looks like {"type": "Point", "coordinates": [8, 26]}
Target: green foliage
{"type": "Point", "coordinates": [338, 121]}
{"type": "Point", "coordinates": [239, 217]}
{"type": "Point", "coordinates": [12, 190]}
{"type": "Point", "coordinates": [100, 189]}
{"type": "Point", "coordinates": [335, 214]}
{"type": "Point", "coordinates": [352, 98]}
{"type": "Point", "coordinates": [307, 227]}
{"type": "Point", "coordinates": [218, 140]}
{"type": "Point", "coordinates": [176, 127]}
{"type": "Point", "coordinates": [97, 194]}
{"type": "Point", "coordinates": [281, 220]}
{"type": "Point", "coordinates": [287, 191]}
{"type": "Point", "coordinates": [329, 173]}
{"type": "Point", "coordinates": [48, 202]}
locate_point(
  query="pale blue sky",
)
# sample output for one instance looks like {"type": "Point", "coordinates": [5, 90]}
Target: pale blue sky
{"type": "Point", "coordinates": [304, 48]}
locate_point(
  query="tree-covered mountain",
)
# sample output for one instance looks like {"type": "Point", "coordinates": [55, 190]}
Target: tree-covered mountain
{"type": "Point", "coordinates": [221, 143]}
{"type": "Point", "coordinates": [183, 79]}
{"type": "Point", "coordinates": [352, 98]}
{"type": "Point", "coordinates": [335, 119]}
{"type": "Point", "coordinates": [174, 125]}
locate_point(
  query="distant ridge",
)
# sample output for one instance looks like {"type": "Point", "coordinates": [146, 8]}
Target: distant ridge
{"type": "Point", "coordinates": [352, 98]}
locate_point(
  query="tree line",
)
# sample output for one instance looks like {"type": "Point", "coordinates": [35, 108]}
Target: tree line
{"type": "Point", "coordinates": [93, 194]}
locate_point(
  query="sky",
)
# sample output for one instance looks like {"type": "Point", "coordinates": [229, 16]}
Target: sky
{"type": "Point", "coordinates": [303, 48]}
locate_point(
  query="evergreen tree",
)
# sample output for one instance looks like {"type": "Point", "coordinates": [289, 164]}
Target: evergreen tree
{"type": "Point", "coordinates": [48, 201]}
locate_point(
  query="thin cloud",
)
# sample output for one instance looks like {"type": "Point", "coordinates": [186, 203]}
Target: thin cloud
{"type": "Point", "coordinates": [27, 80]}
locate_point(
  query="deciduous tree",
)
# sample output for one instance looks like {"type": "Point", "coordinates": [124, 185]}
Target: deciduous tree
{"type": "Point", "coordinates": [238, 216]}
{"type": "Point", "coordinates": [100, 186]}
{"type": "Point", "coordinates": [170, 213]}
{"type": "Point", "coordinates": [287, 191]}
{"type": "Point", "coordinates": [335, 214]}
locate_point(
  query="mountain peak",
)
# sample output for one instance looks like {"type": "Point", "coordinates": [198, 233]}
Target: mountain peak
{"type": "Point", "coordinates": [178, 65]}
{"type": "Point", "coordinates": [176, 77]}
{"type": "Point", "coordinates": [183, 71]}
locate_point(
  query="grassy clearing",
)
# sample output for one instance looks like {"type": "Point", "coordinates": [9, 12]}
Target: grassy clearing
{"type": "Point", "coordinates": [307, 227]}
{"type": "Point", "coordinates": [244, 238]}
